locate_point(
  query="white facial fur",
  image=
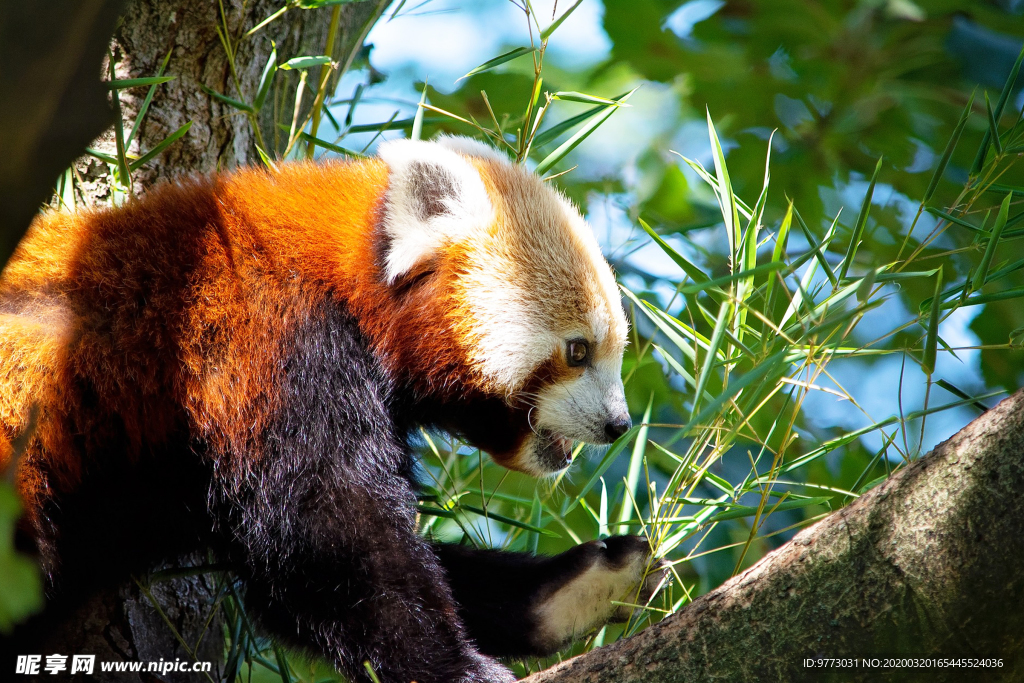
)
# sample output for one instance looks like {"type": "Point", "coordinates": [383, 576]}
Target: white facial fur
{"type": "Point", "coordinates": [578, 408]}
{"type": "Point", "coordinates": [532, 277]}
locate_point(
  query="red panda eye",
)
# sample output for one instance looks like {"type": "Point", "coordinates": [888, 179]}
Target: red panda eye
{"type": "Point", "coordinates": [576, 352]}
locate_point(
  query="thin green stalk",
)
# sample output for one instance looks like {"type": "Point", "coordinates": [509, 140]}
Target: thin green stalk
{"type": "Point", "coordinates": [325, 72]}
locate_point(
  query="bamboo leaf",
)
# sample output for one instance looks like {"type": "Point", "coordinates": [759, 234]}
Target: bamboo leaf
{"type": "Point", "coordinates": [305, 62]}
{"type": "Point", "coordinates": [838, 442]}
{"type": "Point", "coordinates": [735, 277]}
{"type": "Point", "coordinates": [636, 461]}
{"type": "Point", "coordinates": [609, 457]}
{"type": "Point", "coordinates": [819, 251]}
{"type": "Point", "coordinates": [241, 106]}
{"type": "Point", "coordinates": [798, 295]}
{"type": "Point", "coordinates": [758, 374]}
{"type": "Point", "coordinates": [123, 173]}
{"type": "Point", "coordinates": [692, 271]}
{"type": "Point", "coordinates": [265, 158]}
{"type": "Point", "coordinates": [317, 4]}
{"type": "Point", "coordinates": [105, 158]}
{"type": "Point", "coordinates": [1005, 270]}
{"type": "Point", "coordinates": [556, 130]}
{"type": "Point", "coordinates": [779, 253]}
{"type": "Point", "coordinates": [266, 79]}
{"type": "Point", "coordinates": [932, 338]}
{"type": "Point", "coordinates": [679, 369]}
{"type": "Point", "coordinates": [164, 144]}
{"type": "Point", "coordinates": [397, 124]}
{"type": "Point", "coordinates": [905, 275]}
{"type": "Point", "coordinates": [948, 152]}
{"type": "Point", "coordinates": [137, 82]}
{"type": "Point", "coordinates": [862, 221]}
{"type": "Point", "coordinates": [581, 135]}
{"type": "Point", "coordinates": [979, 159]}
{"type": "Point", "coordinates": [712, 355]}
{"type": "Point", "coordinates": [546, 33]}
{"type": "Point", "coordinates": [417, 120]}
{"type": "Point", "coordinates": [953, 219]}
{"type": "Point", "coordinates": [499, 60]}
{"type": "Point", "coordinates": [726, 197]}
{"type": "Point", "coordinates": [145, 103]}
{"type": "Point", "coordinates": [739, 511]}
{"type": "Point", "coordinates": [999, 187]}
{"type": "Point", "coordinates": [986, 298]}
{"type": "Point", "coordinates": [566, 96]}
{"type": "Point", "coordinates": [1011, 80]}
{"type": "Point", "coordinates": [669, 326]}
{"type": "Point", "coordinates": [986, 260]}
{"type": "Point", "coordinates": [959, 393]}
{"type": "Point", "coordinates": [507, 520]}
{"type": "Point", "coordinates": [536, 517]}
{"type": "Point", "coordinates": [866, 285]}
{"type": "Point", "coordinates": [993, 128]}
{"type": "Point", "coordinates": [602, 512]}
{"type": "Point", "coordinates": [320, 142]}
{"type": "Point", "coordinates": [744, 210]}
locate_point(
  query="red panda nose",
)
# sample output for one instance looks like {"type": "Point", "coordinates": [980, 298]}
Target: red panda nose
{"type": "Point", "coordinates": [618, 426]}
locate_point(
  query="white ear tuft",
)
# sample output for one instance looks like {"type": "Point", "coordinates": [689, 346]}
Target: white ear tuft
{"type": "Point", "coordinates": [435, 196]}
{"type": "Point", "coordinates": [470, 147]}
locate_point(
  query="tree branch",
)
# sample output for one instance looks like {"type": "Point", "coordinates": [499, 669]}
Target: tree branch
{"type": "Point", "coordinates": [927, 564]}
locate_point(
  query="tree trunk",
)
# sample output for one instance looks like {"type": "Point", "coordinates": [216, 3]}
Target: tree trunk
{"type": "Point", "coordinates": [927, 565]}
{"type": "Point", "coordinates": [221, 137]}
{"type": "Point", "coordinates": [178, 619]}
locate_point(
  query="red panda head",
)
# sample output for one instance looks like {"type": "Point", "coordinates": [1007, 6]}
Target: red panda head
{"type": "Point", "coordinates": [525, 295]}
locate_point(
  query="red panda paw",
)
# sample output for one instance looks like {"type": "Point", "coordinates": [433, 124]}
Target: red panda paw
{"type": "Point", "coordinates": [655, 572]}
{"type": "Point", "coordinates": [607, 579]}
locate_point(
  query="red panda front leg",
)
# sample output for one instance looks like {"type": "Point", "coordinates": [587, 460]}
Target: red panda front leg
{"type": "Point", "coordinates": [329, 571]}
{"type": "Point", "coordinates": [518, 604]}
{"type": "Point", "coordinates": [321, 524]}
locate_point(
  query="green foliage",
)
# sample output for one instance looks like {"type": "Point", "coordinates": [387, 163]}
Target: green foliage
{"type": "Point", "coordinates": [21, 591]}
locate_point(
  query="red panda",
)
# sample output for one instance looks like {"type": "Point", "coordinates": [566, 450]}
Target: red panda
{"type": "Point", "coordinates": [238, 362]}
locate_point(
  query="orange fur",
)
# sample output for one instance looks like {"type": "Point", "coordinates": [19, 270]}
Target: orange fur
{"type": "Point", "coordinates": [171, 307]}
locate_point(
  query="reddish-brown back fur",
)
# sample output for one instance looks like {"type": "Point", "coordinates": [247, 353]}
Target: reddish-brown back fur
{"type": "Point", "coordinates": [174, 312]}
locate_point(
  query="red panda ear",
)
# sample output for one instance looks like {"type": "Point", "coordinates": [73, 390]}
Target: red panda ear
{"type": "Point", "coordinates": [435, 197]}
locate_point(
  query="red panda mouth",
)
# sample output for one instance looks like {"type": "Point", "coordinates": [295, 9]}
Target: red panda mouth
{"type": "Point", "coordinates": [553, 451]}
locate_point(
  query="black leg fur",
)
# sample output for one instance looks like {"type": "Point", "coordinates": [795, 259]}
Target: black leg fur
{"type": "Point", "coordinates": [506, 599]}
{"type": "Point", "coordinates": [325, 527]}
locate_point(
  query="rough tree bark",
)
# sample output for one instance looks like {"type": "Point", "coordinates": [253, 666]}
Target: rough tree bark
{"type": "Point", "coordinates": [926, 565]}
{"type": "Point", "coordinates": [122, 624]}
{"type": "Point", "coordinates": [220, 137]}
